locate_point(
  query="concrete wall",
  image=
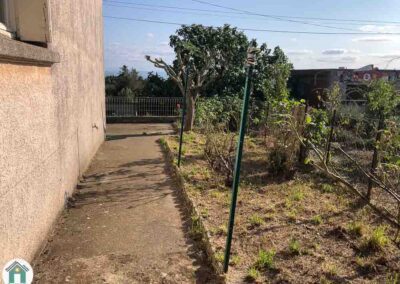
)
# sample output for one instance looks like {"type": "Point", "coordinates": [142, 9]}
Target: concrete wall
{"type": "Point", "coordinates": [52, 121]}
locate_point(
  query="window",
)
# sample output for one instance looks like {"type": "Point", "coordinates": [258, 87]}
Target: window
{"type": "Point", "coordinates": [7, 17]}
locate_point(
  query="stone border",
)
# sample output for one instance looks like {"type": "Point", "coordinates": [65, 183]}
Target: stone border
{"type": "Point", "coordinates": [192, 209]}
{"type": "Point", "coordinates": [15, 51]}
{"type": "Point", "coordinates": [142, 119]}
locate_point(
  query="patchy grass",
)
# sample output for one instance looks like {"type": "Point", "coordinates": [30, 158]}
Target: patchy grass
{"type": "Point", "coordinates": [306, 216]}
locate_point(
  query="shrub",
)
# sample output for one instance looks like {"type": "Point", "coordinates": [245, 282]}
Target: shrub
{"type": "Point", "coordinates": [278, 163]}
{"type": "Point", "coordinates": [219, 150]}
{"type": "Point", "coordinates": [219, 110]}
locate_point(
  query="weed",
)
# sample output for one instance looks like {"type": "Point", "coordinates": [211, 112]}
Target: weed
{"type": "Point", "coordinates": [235, 260]}
{"type": "Point", "coordinates": [288, 203]}
{"type": "Point", "coordinates": [392, 279]}
{"type": "Point", "coordinates": [219, 256]}
{"type": "Point", "coordinates": [221, 230]}
{"type": "Point", "coordinates": [204, 213]}
{"type": "Point", "coordinates": [316, 246]}
{"type": "Point", "coordinates": [355, 228]}
{"type": "Point", "coordinates": [297, 195]}
{"type": "Point", "coordinates": [217, 194]}
{"type": "Point", "coordinates": [265, 259]}
{"type": "Point", "coordinates": [316, 220]}
{"type": "Point", "coordinates": [162, 142]}
{"type": "Point", "coordinates": [376, 240]}
{"type": "Point", "coordinates": [364, 265]}
{"type": "Point", "coordinates": [252, 274]}
{"type": "Point", "coordinates": [196, 231]}
{"type": "Point", "coordinates": [323, 280]}
{"type": "Point", "coordinates": [294, 247]}
{"type": "Point", "coordinates": [256, 220]}
{"type": "Point", "coordinates": [292, 215]}
{"type": "Point", "coordinates": [327, 188]}
{"type": "Point", "coordinates": [331, 208]}
{"type": "Point", "coordinates": [330, 268]}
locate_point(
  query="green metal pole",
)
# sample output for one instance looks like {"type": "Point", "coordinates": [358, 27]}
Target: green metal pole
{"type": "Point", "coordinates": [183, 117]}
{"type": "Point", "coordinates": [235, 186]}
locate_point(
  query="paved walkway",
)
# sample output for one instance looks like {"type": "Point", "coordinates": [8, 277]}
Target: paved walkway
{"type": "Point", "coordinates": [126, 224]}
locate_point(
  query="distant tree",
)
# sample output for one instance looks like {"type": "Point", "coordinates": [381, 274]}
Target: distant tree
{"type": "Point", "coordinates": [157, 86]}
{"type": "Point", "coordinates": [128, 83]}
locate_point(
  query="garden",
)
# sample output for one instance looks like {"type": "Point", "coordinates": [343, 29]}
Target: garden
{"type": "Point", "coordinates": [319, 196]}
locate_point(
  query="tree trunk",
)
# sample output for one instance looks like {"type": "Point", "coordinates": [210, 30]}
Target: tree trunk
{"type": "Point", "coordinates": [190, 112]}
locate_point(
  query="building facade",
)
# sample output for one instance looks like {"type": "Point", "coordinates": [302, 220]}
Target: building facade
{"type": "Point", "coordinates": [52, 113]}
{"type": "Point", "coordinates": [312, 84]}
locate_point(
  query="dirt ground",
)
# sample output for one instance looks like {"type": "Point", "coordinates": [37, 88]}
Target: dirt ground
{"type": "Point", "coordinates": [313, 229]}
{"type": "Point", "coordinates": [125, 224]}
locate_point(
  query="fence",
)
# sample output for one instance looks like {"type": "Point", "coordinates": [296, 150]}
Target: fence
{"type": "Point", "coordinates": [142, 107]}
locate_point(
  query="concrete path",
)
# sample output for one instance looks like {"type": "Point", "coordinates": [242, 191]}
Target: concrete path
{"type": "Point", "coordinates": [125, 224]}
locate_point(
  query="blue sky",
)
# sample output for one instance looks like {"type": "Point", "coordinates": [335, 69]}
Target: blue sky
{"type": "Point", "coordinates": [126, 42]}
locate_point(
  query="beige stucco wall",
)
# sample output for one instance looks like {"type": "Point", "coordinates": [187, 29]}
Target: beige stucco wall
{"type": "Point", "coordinates": [51, 125]}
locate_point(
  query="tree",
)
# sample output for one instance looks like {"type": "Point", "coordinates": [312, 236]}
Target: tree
{"type": "Point", "coordinates": [157, 86]}
{"type": "Point", "coordinates": [210, 52]}
{"type": "Point", "coordinates": [127, 83]}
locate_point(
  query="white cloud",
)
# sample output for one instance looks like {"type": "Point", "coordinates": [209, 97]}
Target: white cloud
{"type": "Point", "coordinates": [373, 39]}
{"type": "Point", "coordinates": [340, 51]}
{"type": "Point", "coordinates": [385, 55]}
{"type": "Point", "coordinates": [339, 59]}
{"type": "Point", "coordinates": [334, 51]}
{"type": "Point", "coordinates": [299, 52]}
{"type": "Point", "coordinates": [380, 29]}
{"type": "Point", "coordinates": [150, 35]}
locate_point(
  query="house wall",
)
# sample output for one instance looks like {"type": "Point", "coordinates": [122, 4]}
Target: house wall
{"type": "Point", "coordinates": [52, 120]}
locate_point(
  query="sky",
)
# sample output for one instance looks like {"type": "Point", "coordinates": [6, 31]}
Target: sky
{"type": "Point", "coordinates": [127, 41]}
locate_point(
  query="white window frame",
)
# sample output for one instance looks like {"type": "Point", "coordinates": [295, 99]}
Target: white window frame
{"type": "Point", "coordinates": [8, 26]}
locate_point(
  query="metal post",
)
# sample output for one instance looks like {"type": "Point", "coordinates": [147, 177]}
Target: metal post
{"type": "Point", "coordinates": [183, 116]}
{"type": "Point", "coordinates": [328, 145]}
{"type": "Point", "coordinates": [235, 186]}
{"type": "Point", "coordinates": [375, 156]}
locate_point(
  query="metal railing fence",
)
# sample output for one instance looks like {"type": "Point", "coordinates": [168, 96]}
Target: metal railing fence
{"type": "Point", "coordinates": [143, 106]}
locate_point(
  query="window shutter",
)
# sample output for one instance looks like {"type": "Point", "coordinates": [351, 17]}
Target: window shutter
{"type": "Point", "coordinates": [32, 20]}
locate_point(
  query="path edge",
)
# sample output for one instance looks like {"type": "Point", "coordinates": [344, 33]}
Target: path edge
{"type": "Point", "coordinates": [179, 180]}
